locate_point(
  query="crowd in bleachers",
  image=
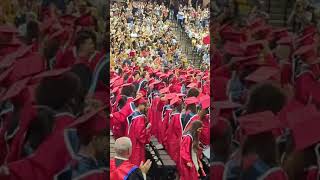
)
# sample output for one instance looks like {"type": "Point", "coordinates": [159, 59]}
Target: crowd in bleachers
{"type": "Point", "coordinates": [195, 24]}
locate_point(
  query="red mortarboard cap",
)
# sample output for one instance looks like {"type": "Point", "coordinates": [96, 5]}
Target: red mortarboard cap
{"type": "Point", "coordinates": [114, 90]}
{"type": "Point", "coordinates": [140, 100]}
{"type": "Point", "coordinates": [262, 31]}
{"type": "Point", "coordinates": [170, 95]}
{"type": "Point", "coordinates": [192, 85]}
{"type": "Point", "coordinates": [234, 36]}
{"type": "Point", "coordinates": [256, 123]}
{"type": "Point", "coordinates": [27, 66]}
{"type": "Point", "coordinates": [22, 51]}
{"type": "Point", "coordinates": [233, 49]}
{"type": "Point", "coordinates": [244, 59]}
{"type": "Point", "coordinates": [163, 75]}
{"type": "Point", "coordinates": [175, 100]}
{"type": "Point", "coordinates": [61, 35]}
{"type": "Point", "coordinates": [118, 82]}
{"type": "Point", "coordinates": [114, 79]}
{"type": "Point", "coordinates": [164, 90]}
{"type": "Point", "coordinates": [15, 89]}
{"type": "Point", "coordinates": [143, 92]}
{"type": "Point", "coordinates": [191, 100]}
{"type": "Point", "coordinates": [306, 51]}
{"type": "Point", "coordinates": [50, 73]}
{"type": "Point", "coordinates": [92, 123]}
{"type": "Point", "coordinates": [262, 74]}
{"type": "Point", "coordinates": [306, 132]}
{"type": "Point", "coordinates": [154, 83]}
{"type": "Point", "coordinates": [127, 84]}
{"type": "Point", "coordinates": [309, 30]}
{"type": "Point", "coordinates": [205, 101]}
{"type": "Point", "coordinates": [301, 114]}
{"type": "Point", "coordinates": [306, 40]}
{"type": "Point", "coordinates": [280, 33]}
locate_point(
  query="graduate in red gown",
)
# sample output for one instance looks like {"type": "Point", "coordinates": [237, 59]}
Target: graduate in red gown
{"type": "Point", "coordinates": [189, 153]}
{"type": "Point", "coordinates": [204, 116]}
{"type": "Point", "coordinates": [174, 131]}
{"type": "Point", "coordinates": [138, 131]}
{"type": "Point", "coordinates": [126, 107]}
{"type": "Point", "coordinates": [191, 113]}
{"type": "Point", "coordinates": [91, 129]}
{"type": "Point", "coordinates": [83, 52]}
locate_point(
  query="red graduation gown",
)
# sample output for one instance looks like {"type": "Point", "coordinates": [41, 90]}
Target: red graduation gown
{"type": "Point", "coordinates": [216, 171]}
{"type": "Point", "coordinates": [174, 135]}
{"type": "Point", "coordinates": [156, 116]}
{"type": "Point", "coordinates": [205, 133]}
{"type": "Point", "coordinates": [27, 114]}
{"type": "Point", "coordinates": [119, 119]}
{"type": "Point", "coordinates": [186, 172]}
{"type": "Point", "coordinates": [42, 164]}
{"type": "Point", "coordinates": [312, 173]}
{"type": "Point", "coordinates": [193, 118]}
{"type": "Point", "coordinates": [304, 83]}
{"type": "Point", "coordinates": [119, 173]}
{"type": "Point", "coordinates": [165, 124]}
{"type": "Point", "coordinates": [139, 136]}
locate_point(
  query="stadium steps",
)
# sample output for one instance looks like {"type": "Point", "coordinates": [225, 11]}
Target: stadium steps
{"type": "Point", "coordinates": [280, 11]}
{"type": "Point", "coordinates": [186, 46]}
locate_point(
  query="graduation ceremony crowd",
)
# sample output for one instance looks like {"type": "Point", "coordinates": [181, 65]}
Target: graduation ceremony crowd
{"type": "Point", "coordinates": [265, 85]}
{"type": "Point", "coordinates": [155, 92]}
{"type": "Point", "coordinates": [195, 23]}
{"type": "Point", "coordinates": [53, 90]}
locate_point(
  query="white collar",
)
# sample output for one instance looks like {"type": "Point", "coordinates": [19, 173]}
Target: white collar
{"type": "Point", "coordinates": [121, 158]}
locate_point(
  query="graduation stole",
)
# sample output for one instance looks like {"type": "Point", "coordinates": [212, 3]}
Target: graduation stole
{"type": "Point", "coordinates": [185, 119]}
{"type": "Point", "coordinates": [132, 117]}
{"type": "Point", "coordinates": [166, 107]}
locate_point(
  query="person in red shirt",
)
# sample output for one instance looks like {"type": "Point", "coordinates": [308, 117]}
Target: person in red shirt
{"type": "Point", "coordinates": [189, 150]}
{"type": "Point", "coordinates": [121, 167]}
